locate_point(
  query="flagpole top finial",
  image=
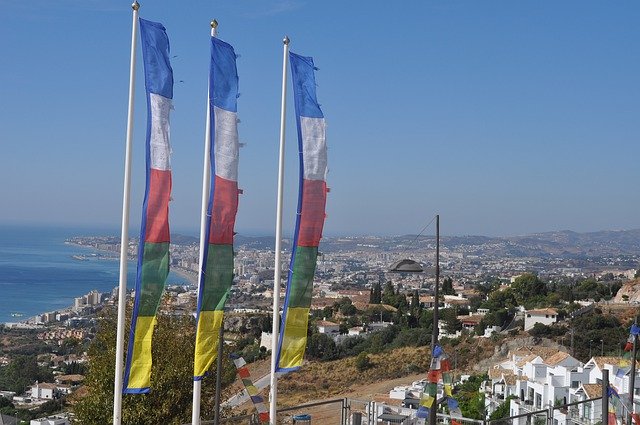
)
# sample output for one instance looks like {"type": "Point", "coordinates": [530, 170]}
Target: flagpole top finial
{"type": "Point", "coordinates": [286, 40]}
{"type": "Point", "coordinates": [214, 24]}
{"type": "Point", "coordinates": [135, 5]}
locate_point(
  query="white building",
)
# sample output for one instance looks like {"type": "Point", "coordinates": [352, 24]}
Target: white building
{"type": "Point", "coordinates": [51, 420]}
{"type": "Point", "coordinates": [542, 379]}
{"type": "Point", "coordinates": [546, 316]}
{"type": "Point", "coordinates": [43, 391]}
{"type": "Point", "coordinates": [329, 328]}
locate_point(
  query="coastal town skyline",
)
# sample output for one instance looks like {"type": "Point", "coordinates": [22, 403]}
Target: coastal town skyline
{"type": "Point", "coordinates": [505, 119]}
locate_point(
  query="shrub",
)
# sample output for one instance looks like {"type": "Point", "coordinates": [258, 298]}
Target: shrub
{"type": "Point", "coordinates": [363, 362]}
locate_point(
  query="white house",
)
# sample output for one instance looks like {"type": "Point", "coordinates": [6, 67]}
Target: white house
{"type": "Point", "coordinates": [43, 391]}
{"type": "Point", "coordinates": [326, 327]}
{"type": "Point", "coordinates": [538, 378]}
{"type": "Point", "coordinates": [51, 420]}
{"type": "Point", "coordinates": [546, 316]}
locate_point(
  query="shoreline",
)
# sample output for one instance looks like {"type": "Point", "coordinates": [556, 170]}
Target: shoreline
{"type": "Point", "coordinates": [29, 321]}
{"type": "Point", "coordinates": [191, 276]}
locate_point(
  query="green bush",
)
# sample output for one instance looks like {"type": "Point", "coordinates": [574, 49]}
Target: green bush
{"type": "Point", "coordinates": [363, 362]}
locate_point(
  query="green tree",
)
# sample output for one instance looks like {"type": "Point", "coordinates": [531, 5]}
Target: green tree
{"type": "Point", "coordinates": [376, 294]}
{"type": "Point", "coordinates": [170, 400]}
{"type": "Point", "coordinates": [415, 300]}
{"type": "Point", "coordinates": [389, 293]}
{"type": "Point", "coordinates": [450, 319]}
{"type": "Point", "coordinates": [528, 286]}
{"type": "Point", "coordinates": [502, 411]}
{"type": "Point", "coordinates": [471, 403]}
{"type": "Point", "coordinates": [321, 347]}
{"type": "Point", "coordinates": [447, 287]}
{"type": "Point", "coordinates": [22, 372]}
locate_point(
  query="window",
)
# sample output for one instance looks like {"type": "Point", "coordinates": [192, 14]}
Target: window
{"type": "Point", "coordinates": [586, 410]}
{"type": "Point", "coordinates": [575, 384]}
{"type": "Point", "coordinates": [546, 316]}
{"type": "Point", "coordinates": [538, 401]}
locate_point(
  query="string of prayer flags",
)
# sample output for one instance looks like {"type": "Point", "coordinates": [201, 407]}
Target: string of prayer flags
{"type": "Point", "coordinates": [439, 374]}
{"type": "Point", "coordinates": [245, 376]}
{"type": "Point", "coordinates": [454, 407]}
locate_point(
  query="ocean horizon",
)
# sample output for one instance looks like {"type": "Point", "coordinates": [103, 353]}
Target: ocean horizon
{"type": "Point", "coordinates": [41, 273]}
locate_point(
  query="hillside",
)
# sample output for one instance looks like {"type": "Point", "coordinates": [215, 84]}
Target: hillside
{"type": "Point", "coordinates": [630, 292]}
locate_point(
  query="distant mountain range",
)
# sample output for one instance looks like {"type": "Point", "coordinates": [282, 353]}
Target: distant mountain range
{"type": "Point", "coordinates": [565, 243]}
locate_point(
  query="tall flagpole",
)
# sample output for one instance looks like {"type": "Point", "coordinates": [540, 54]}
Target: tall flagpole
{"type": "Point", "coordinates": [206, 186]}
{"type": "Point", "coordinates": [124, 235]}
{"type": "Point", "coordinates": [276, 279]}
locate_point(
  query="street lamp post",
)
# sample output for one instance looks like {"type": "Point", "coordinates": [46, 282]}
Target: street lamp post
{"type": "Point", "coordinates": [434, 335]}
{"type": "Point", "coordinates": [410, 266]}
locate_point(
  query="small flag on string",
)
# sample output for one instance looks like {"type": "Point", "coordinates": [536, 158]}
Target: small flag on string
{"type": "Point", "coordinates": [256, 398]}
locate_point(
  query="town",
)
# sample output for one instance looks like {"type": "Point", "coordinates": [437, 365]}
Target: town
{"type": "Point", "coordinates": [502, 290]}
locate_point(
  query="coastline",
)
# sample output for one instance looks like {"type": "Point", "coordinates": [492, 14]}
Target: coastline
{"type": "Point", "coordinates": [191, 276]}
{"type": "Point", "coordinates": [27, 320]}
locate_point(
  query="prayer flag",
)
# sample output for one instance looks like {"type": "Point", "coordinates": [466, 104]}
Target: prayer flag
{"type": "Point", "coordinates": [310, 215]}
{"type": "Point", "coordinates": [216, 272]}
{"type": "Point", "coordinates": [153, 247]}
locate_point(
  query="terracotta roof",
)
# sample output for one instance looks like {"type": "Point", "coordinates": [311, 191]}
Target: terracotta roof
{"type": "Point", "coordinates": [458, 301]}
{"type": "Point", "coordinates": [366, 306]}
{"type": "Point", "coordinates": [613, 361]}
{"type": "Point", "coordinates": [70, 378]}
{"type": "Point", "coordinates": [510, 379]}
{"type": "Point", "coordinates": [527, 350]}
{"type": "Point", "coordinates": [46, 386]}
{"type": "Point", "coordinates": [476, 318]}
{"type": "Point", "coordinates": [320, 303]}
{"type": "Point", "coordinates": [592, 390]}
{"type": "Point", "coordinates": [347, 292]}
{"type": "Point", "coordinates": [543, 311]}
{"type": "Point", "coordinates": [526, 359]}
{"type": "Point", "coordinates": [326, 323]}
{"type": "Point", "coordinates": [556, 358]}
{"type": "Point", "coordinates": [495, 373]}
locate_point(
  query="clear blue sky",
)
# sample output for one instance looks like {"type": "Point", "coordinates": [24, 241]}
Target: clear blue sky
{"type": "Point", "coordinates": [505, 117]}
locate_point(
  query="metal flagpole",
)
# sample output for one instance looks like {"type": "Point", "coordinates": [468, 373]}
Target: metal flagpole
{"type": "Point", "coordinates": [276, 281]}
{"type": "Point", "coordinates": [216, 414]}
{"type": "Point", "coordinates": [124, 235]}
{"type": "Point", "coordinates": [632, 375]}
{"type": "Point", "coordinates": [206, 185]}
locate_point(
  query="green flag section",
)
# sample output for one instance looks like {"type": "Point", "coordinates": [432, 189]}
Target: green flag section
{"type": "Point", "coordinates": [294, 336]}
{"type": "Point", "coordinates": [213, 298]}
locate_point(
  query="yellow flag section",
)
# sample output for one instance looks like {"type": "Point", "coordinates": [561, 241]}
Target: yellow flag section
{"type": "Point", "coordinates": [310, 214]}
{"type": "Point", "coordinates": [216, 274]}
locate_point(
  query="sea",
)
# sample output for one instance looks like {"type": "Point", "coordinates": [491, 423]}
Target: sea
{"type": "Point", "coordinates": [39, 273]}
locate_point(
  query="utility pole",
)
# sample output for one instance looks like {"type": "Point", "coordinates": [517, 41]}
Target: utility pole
{"type": "Point", "coordinates": [573, 353]}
